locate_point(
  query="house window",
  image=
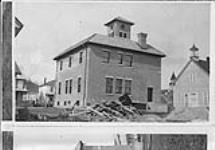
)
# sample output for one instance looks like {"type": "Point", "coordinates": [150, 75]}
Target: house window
{"type": "Point", "coordinates": [120, 34]}
{"type": "Point", "coordinates": [150, 94]}
{"type": "Point", "coordinates": [123, 26]}
{"type": "Point", "coordinates": [66, 86]}
{"type": "Point", "coordinates": [106, 57]}
{"type": "Point", "coordinates": [58, 103]}
{"type": "Point", "coordinates": [120, 57]}
{"type": "Point", "coordinates": [128, 60]}
{"type": "Point", "coordinates": [79, 84]}
{"type": "Point", "coordinates": [124, 35]}
{"type": "Point", "coordinates": [69, 102]}
{"type": "Point", "coordinates": [61, 65]}
{"type": "Point", "coordinates": [128, 86]}
{"type": "Point", "coordinates": [59, 88]}
{"type": "Point", "coordinates": [51, 89]}
{"type": "Point", "coordinates": [80, 57]}
{"type": "Point", "coordinates": [64, 103]}
{"type": "Point", "coordinates": [70, 86]}
{"type": "Point", "coordinates": [70, 61]}
{"type": "Point", "coordinates": [118, 86]}
{"type": "Point", "coordinates": [109, 85]}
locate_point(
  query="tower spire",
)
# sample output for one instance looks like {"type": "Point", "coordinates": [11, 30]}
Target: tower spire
{"type": "Point", "coordinates": [194, 52]}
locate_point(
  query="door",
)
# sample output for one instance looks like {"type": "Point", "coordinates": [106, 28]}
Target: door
{"type": "Point", "coordinates": [193, 99]}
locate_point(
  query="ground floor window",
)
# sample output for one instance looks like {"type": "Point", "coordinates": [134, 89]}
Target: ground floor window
{"type": "Point", "coordinates": [128, 86]}
{"type": "Point", "coordinates": [150, 94]}
{"type": "Point", "coordinates": [58, 103]}
{"type": "Point", "coordinates": [118, 86]}
{"type": "Point", "coordinates": [109, 85]}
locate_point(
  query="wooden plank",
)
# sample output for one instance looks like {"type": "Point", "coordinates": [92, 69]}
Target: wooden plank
{"type": "Point", "coordinates": [7, 140]}
{"type": "Point", "coordinates": [7, 60]}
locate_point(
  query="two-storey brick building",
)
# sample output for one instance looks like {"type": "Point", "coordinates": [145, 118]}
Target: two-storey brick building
{"type": "Point", "coordinates": [104, 67]}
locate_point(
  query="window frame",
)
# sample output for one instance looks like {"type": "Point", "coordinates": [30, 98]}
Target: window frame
{"type": "Point", "coordinates": [66, 86]}
{"type": "Point", "coordinates": [126, 87]}
{"type": "Point", "coordinates": [79, 85]}
{"type": "Point", "coordinates": [70, 62]}
{"type": "Point", "coordinates": [61, 65]}
{"type": "Point", "coordinates": [120, 57]}
{"type": "Point", "coordinates": [109, 87]}
{"type": "Point", "coordinates": [150, 94]}
{"type": "Point", "coordinates": [59, 88]}
{"type": "Point", "coordinates": [128, 63]}
{"type": "Point", "coordinates": [70, 85]}
{"type": "Point", "coordinates": [80, 57]}
{"type": "Point", "coordinates": [118, 87]}
{"type": "Point", "coordinates": [106, 58]}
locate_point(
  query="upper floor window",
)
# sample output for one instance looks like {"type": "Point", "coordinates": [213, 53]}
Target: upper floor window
{"type": "Point", "coordinates": [150, 94]}
{"type": "Point", "coordinates": [118, 86]}
{"type": "Point", "coordinates": [109, 85]}
{"type": "Point", "coordinates": [128, 86]}
{"type": "Point", "coordinates": [58, 103]}
{"type": "Point", "coordinates": [80, 57]}
{"type": "Point", "coordinates": [106, 57]}
{"type": "Point", "coordinates": [129, 60]}
{"type": "Point", "coordinates": [70, 86]}
{"type": "Point", "coordinates": [59, 88]}
{"type": "Point", "coordinates": [79, 84]}
{"type": "Point", "coordinates": [120, 58]}
{"type": "Point", "coordinates": [61, 65]}
{"type": "Point", "coordinates": [70, 61]}
{"type": "Point", "coordinates": [66, 86]}
{"type": "Point", "coordinates": [123, 26]}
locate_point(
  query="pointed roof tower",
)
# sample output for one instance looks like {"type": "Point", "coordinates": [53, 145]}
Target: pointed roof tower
{"type": "Point", "coordinates": [194, 53]}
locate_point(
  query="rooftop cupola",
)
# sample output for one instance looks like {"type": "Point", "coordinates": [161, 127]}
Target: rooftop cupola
{"type": "Point", "coordinates": [194, 53]}
{"type": "Point", "coordinates": [119, 27]}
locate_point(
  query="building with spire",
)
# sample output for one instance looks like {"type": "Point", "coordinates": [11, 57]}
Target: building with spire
{"type": "Point", "coordinates": [104, 67]}
{"type": "Point", "coordinates": [191, 86]}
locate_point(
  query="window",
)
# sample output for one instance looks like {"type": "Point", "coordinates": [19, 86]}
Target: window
{"type": "Point", "coordinates": [58, 103]}
{"type": "Point", "coordinates": [70, 61]}
{"type": "Point", "coordinates": [66, 86]}
{"type": "Point", "coordinates": [125, 35]}
{"type": "Point", "coordinates": [120, 57]}
{"type": "Point", "coordinates": [80, 57]}
{"type": "Point", "coordinates": [128, 60]}
{"type": "Point", "coordinates": [70, 86]}
{"type": "Point", "coordinates": [64, 103]}
{"type": "Point", "coordinates": [120, 34]}
{"type": "Point", "coordinates": [109, 85]}
{"type": "Point", "coordinates": [69, 102]}
{"type": "Point", "coordinates": [106, 57]}
{"type": "Point", "coordinates": [59, 88]}
{"type": "Point", "coordinates": [61, 65]}
{"type": "Point", "coordinates": [128, 86]}
{"type": "Point", "coordinates": [51, 89]}
{"type": "Point", "coordinates": [122, 26]}
{"type": "Point", "coordinates": [118, 86]}
{"type": "Point", "coordinates": [79, 84]}
{"type": "Point", "coordinates": [150, 94]}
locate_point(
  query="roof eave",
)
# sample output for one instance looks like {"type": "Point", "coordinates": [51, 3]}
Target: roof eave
{"type": "Point", "coordinates": [64, 54]}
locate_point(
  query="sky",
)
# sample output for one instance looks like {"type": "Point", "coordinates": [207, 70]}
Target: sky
{"type": "Point", "coordinates": [50, 28]}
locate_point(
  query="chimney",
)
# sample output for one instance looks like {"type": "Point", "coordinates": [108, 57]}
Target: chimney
{"type": "Point", "coordinates": [45, 79]}
{"type": "Point", "coordinates": [142, 39]}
